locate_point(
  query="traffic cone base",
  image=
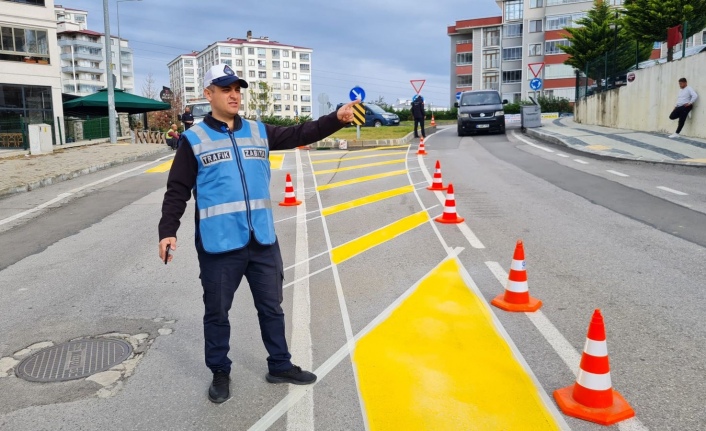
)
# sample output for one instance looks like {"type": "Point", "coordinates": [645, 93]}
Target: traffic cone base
{"type": "Point", "coordinates": [438, 187]}
{"type": "Point", "coordinates": [458, 219]}
{"type": "Point", "coordinates": [290, 204]}
{"type": "Point", "coordinates": [531, 304]}
{"type": "Point", "coordinates": [618, 411]}
{"type": "Point", "coordinates": [449, 215]}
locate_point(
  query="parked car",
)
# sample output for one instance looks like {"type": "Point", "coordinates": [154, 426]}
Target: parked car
{"type": "Point", "coordinates": [480, 111]}
{"type": "Point", "coordinates": [199, 110]}
{"type": "Point", "coordinates": [375, 116]}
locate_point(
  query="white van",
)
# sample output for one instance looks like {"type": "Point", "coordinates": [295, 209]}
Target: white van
{"type": "Point", "coordinates": [199, 110]}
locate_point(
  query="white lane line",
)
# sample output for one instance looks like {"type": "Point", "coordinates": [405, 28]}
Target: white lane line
{"type": "Point", "coordinates": [676, 192]}
{"type": "Point", "coordinates": [620, 174]}
{"type": "Point", "coordinates": [548, 150]}
{"type": "Point", "coordinates": [74, 191]}
{"type": "Point", "coordinates": [563, 155]}
{"type": "Point", "coordinates": [296, 216]}
{"type": "Point", "coordinates": [307, 276]}
{"type": "Point", "coordinates": [583, 162]}
{"type": "Point", "coordinates": [463, 227]}
{"type": "Point", "coordinates": [301, 416]}
{"type": "Point", "coordinates": [561, 345]}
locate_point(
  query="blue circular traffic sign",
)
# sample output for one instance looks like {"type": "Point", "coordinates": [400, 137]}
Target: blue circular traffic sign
{"type": "Point", "coordinates": [357, 93]}
{"type": "Point", "coordinates": [536, 84]}
{"type": "Point", "coordinates": [458, 95]}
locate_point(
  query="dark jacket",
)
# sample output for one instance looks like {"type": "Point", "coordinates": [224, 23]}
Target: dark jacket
{"type": "Point", "coordinates": [187, 117]}
{"type": "Point", "coordinates": [418, 109]}
{"type": "Point", "coordinates": [182, 176]}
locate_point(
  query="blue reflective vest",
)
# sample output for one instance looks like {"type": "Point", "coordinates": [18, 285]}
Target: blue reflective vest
{"type": "Point", "coordinates": [232, 186]}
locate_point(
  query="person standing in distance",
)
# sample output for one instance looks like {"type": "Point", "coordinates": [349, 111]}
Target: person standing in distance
{"type": "Point", "coordinates": [187, 118]}
{"type": "Point", "coordinates": [224, 160]}
{"type": "Point", "coordinates": [418, 115]}
{"type": "Point", "coordinates": [685, 103]}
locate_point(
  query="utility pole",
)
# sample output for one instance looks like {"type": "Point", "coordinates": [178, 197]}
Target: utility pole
{"type": "Point", "coordinates": [109, 75]}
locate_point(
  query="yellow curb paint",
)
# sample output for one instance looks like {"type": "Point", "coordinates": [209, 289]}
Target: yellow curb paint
{"type": "Point", "coordinates": [361, 180]}
{"type": "Point", "coordinates": [396, 153]}
{"type": "Point", "coordinates": [366, 200]}
{"type": "Point", "coordinates": [438, 362]}
{"type": "Point", "coordinates": [366, 242]}
{"type": "Point", "coordinates": [352, 168]}
{"type": "Point", "coordinates": [597, 147]}
{"type": "Point", "coordinates": [162, 167]}
{"type": "Point", "coordinates": [693, 160]}
{"type": "Point", "coordinates": [276, 161]}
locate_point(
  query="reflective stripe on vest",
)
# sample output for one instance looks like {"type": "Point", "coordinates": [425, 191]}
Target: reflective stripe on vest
{"type": "Point", "coordinates": [232, 186]}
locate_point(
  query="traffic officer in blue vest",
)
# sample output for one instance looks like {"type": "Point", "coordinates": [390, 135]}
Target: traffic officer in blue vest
{"type": "Point", "coordinates": [224, 160]}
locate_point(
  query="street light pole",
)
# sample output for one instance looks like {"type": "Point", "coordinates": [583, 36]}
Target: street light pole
{"type": "Point", "coordinates": [109, 76]}
{"type": "Point", "coordinates": [120, 50]}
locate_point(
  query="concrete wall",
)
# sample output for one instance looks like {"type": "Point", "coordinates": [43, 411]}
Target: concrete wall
{"type": "Point", "coordinates": [645, 103]}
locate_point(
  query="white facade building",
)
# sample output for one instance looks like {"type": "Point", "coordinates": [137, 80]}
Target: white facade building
{"type": "Point", "coordinates": [285, 68]}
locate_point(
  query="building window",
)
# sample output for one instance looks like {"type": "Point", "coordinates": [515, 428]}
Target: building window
{"type": "Point", "coordinates": [306, 108]}
{"type": "Point", "coordinates": [513, 9]}
{"type": "Point", "coordinates": [262, 64]}
{"type": "Point", "coordinates": [262, 74]}
{"type": "Point", "coordinates": [285, 54]}
{"type": "Point", "coordinates": [304, 67]}
{"type": "Point", "coordinates": [490, 81]}
{"type": "Point", "coordinates": [459, 42]}
{"type": "Point", "coordinates": [304, 77]}
{"type": "Point", "coordinates": [35, 3]}
{"type": "Point", "coordinates": [491, 60]}
{"type": "Point", "coordinates": [275, 64]}
{"type": "Point", "coordinates": [285, 75]}
{"type": "Point", "coordinates": [535, 49]}
{"type": "Point", "coordinates": [225, 50]}
{"type": "Point", "coordinates": [491, 37]}
{"type": "Point", "coordinates": [535, 26]}
{"type": "Point", "coordinates": [285, 64]}
{"type": "Point", "coordinates": [287, 107]}
{"type": "Point", "coordinates": [303, 57]}
{"type": "Point", "coordinates": [294, 87]}
{"type": "Point", "coordinates": [261, 52]}
{"type": "Point", "coordinates": [510, 54]}
{"type": "Point", "coordinates": [464, 58]}
{"type": "Point", "coordinates": [552, 46]}
{"type": "Point", "coordinates": [286, 85]}
{"type": "Point", "coordinates": [513, 30]}
{"type": "Point", "coordinates": [189, 63]}
{"type": "Point", "coordinates": [275, 53]}
{"type": "Point", "coordinates": [464, 81]}
{"type": "Point", "coordinates": [277, 108]}
{"type": "Point", "coordinates": [306, 98]}
{"type": "Point", "coordinates": [558, 2]}
{"type": "Point", "coordinates": [277, 86]}
{"type": "Point", "coordinates": [558, 71]}
{"type": "Point", "coordinates": [251, 51]}
{"type": "Point", "coordinates": [277, 75]}
{"type": "Point", "coordinates": [536, 3]}
{"type": "Point", "coordinates": [512, 76]}
{"type": "Point", "coordinates": [229, 62]}
{"type": "Point", "coordinates": [251, 73]}
{"type": "Point", "coordinates": [24, 104]}
{"type": "Point", "coordinates": [287, 97]}
{"type": "Point", "coordinates": [23, 42]}
{"type": "Point", "coordinates": [251, 62]}
{"type": "Point", "coordinates": [559, 22]}
{"type": "Point", "coordinates": [239, 62]}
{"type": "Point", "coordinates": [276, 96]}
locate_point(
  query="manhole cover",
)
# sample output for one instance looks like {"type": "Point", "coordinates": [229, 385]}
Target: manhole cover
{"type": "Point", "coordinates": [73, 360]}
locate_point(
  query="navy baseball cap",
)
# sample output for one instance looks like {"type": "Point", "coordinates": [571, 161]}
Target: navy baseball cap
{"type": "Point", "coordinates": [222, 75]}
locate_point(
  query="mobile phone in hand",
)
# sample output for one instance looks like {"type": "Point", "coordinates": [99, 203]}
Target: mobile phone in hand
{"type": "Point", "coordinates": [166, 254]}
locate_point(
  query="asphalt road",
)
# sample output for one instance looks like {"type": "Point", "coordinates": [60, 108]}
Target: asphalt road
{"type": "Point", "coordinates": [598, 234]}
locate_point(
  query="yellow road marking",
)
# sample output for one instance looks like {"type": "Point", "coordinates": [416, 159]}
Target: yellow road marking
{"type": "Point", "coordinates": [598, 147]}
{"type": "Point", "coordinates": [276, 161]}
{"type": "Point", "coordinates": [366, 242]}
{"type": "Point", "coordinates": [361, 180]}
{"type": "Point", "coordinates": [352, 168]}
{"type": "Point", "coordinates": [382, 148]}
{"type": "Point", "coordinates": [162, 167]}
{"type": "Point", "coordinates": [439, 363]}
{"type": "Point", "coordinates": [694, 160]}
{"type": "Point", "coordinates": [327, 153]}
{"type": "Point", "coordinates": [391, 153]}
{"type": "Point", "coordinates": [366, 200]}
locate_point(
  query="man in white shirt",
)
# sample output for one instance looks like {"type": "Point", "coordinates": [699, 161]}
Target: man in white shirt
{"type": "Point", "coordinates": [685, 102]}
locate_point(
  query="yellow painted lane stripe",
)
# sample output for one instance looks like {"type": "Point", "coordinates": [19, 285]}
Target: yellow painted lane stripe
{"type": "Point", "coordinates": [276, 161]}
{"type": "Point", "coordinates": [327, 153]}
{"type": "Point", "coordinates": [366, 200]}
{"type": "Point", "coordinates": [382, 148]}
{"type": "Point", "coordinates": [694, 160]}
{"type": "Point", "coordinates": [361, 180]}
{"type": "Point", "coordinates": [162, 167]}
{"type": "Point", "coordinates": [352, 168]}
{"type": "Point", "coordinates": [598, 147]}
{"type": "Point", "coordinates": [439, 363]}
{"type": "Point", "coordinates": [391, 153]}
{"type": "Point", "coordinates": [366, 242]}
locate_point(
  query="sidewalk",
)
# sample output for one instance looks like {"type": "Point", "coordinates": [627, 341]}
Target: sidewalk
{"type": "Point", "coordinates": [621, 143]}
{"type": "Point", "coordinates": [21, 172]}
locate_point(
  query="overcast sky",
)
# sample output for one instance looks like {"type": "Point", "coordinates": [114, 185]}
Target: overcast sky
{"type": "Point", "coordinates": [376, 44]}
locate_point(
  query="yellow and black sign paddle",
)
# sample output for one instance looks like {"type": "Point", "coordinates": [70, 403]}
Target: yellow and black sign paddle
{"type": "Point", "coordinates": [359, 114]}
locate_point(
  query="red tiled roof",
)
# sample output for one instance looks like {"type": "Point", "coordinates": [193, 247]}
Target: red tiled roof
{"type": "Point", "coordinates": [259, 42]}
{"type": "Point", "coordinates": [88, 32]}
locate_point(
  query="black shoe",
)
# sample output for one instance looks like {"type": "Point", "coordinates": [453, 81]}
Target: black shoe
{"type": "Point", "coordinates": [294, 375]}
{"type": "Point", "coordinates": [220, 387]}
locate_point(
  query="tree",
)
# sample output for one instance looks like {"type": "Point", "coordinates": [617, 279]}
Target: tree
{"type": "Point", "coordinates": [149, 90]}
{"type": "Point", "coordinates": [602, 43]}
{"type": "Point", "coordinates": [649, 20]}
{"type": "Point", "coordinates": [259, 95]}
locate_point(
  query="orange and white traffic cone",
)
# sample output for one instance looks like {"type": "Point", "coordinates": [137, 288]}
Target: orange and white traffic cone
{"type": "Point", "coordinates": [449, 215]}
{"type": "Point", "coordinates": [437, 183]}
{"type": "Point", "coordinates": [516, 296]}
{"type": "Point", "coordinates": [421, 151]}
{"type": "Point", "coordinates": [433, 123]}
{"type": "Point", "coordinates": [290, 199]}
{"type": "Point", "coordinates": [592, 397]}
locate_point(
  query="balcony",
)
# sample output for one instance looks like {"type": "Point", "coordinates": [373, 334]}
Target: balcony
{"type": "Point", "coordinates": [81, 56]}
{"type": "Point", "coordinates": [77, 69]}
{"type": "Point", "coordinates": [491, 86]}
{"type": "Point", "coordinates": [74, 42]}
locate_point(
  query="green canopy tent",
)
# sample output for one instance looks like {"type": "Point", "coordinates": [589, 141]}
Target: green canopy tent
{"type": "Point", "coordinates": [97, 103]}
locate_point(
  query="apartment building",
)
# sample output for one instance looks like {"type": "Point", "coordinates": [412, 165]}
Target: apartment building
{"type": "Point", "coordinates": [30, 83]}
{"type": "Point", "coordinates": [83, 56]}
{"type": "Point", "coordinates": [528, 32]}
{"type": "Point", "coordinates": [285, 68]}
{"type": "Point", "coordinates": [182, 77]}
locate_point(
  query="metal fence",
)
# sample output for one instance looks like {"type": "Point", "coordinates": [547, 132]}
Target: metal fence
{"type": "Point", "coordinates": [608, 71]}
{"type": "Point", "coordinates": [13, 133]}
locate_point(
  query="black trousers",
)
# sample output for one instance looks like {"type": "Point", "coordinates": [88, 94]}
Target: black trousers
{"type": "Point", "coordinates": [419, 121]}
{"type": "Point", "coordinates": [220, 277]}
{"type": "Point", "coordinates": [680, 112]}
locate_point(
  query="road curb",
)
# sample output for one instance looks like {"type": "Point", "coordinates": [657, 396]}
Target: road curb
{"type": "Point", "coordinates": [77, 173]}
{"type": "Point", "coordinates": [553, 139]}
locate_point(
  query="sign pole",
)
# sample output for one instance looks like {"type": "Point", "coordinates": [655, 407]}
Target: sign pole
{"type": "Point", "coordinates": [357, 133]}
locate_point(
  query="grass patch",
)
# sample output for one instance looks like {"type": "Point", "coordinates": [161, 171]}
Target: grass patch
{"type": "Point", "coordinates": [373, 133]}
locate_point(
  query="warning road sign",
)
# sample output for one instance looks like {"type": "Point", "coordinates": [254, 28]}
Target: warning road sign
{"type": "Point", "coordinates": [359, 114]}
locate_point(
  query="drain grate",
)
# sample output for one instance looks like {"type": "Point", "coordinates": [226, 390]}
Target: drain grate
{"type": "Point", "coordinates": [73, 360]}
